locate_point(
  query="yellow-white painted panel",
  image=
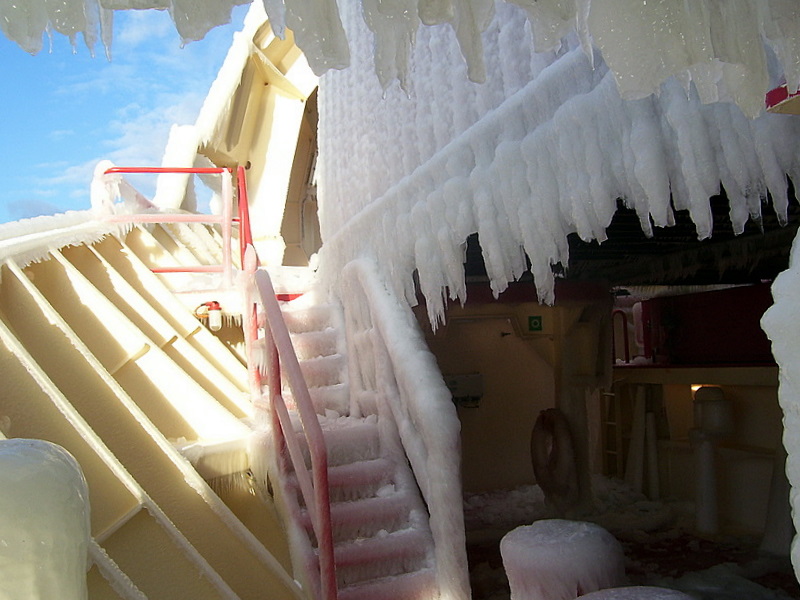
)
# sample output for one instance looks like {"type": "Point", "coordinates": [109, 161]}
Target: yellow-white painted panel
{"type": "Point", "coordinates": [148, 249]}
{"type": "Point", "coordinates": [150, 321]}
{"type": "Point", "coordinates": [162, 473]}
{"type": "Point", "coordinates": [186, 236]}
{"type": "Point", "coordinates": [99, 323]}
{"type": "Point", "coordinates": [28, 411]}
{"type": "Point", "coordinates": [174, 246]}
{"type": "Point", "coordinates": [143, 550]}
{"type": "Point", "coordinates": [156, 293]}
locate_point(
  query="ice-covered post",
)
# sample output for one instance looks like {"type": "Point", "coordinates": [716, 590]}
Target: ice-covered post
{"type": "Point", "coordinates": [44, 522]}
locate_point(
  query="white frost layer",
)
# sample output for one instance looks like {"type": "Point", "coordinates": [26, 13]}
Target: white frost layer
{"type": "Point", "coordinates": [30, 240]}
{"type": "Point", "coordinates": [781, 323]}
{"type": "Point", "coordinates": [637, 593]}
{"type": "Point", "coordinates": [44, 522]}
{"type": "Point", "coordinates": [553, 559]}
{"type": "Point", "coordinates": [390, 357]}
{"type": "Point", "coordinates": [542, 151]}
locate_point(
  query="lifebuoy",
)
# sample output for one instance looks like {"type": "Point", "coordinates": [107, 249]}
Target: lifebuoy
{"type": "Point", "coordinates": [553, 459]}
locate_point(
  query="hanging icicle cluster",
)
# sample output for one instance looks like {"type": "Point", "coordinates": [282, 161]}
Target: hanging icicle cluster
{"type": "Point", "coordinates": [718, 45]}
{"type": "Point", "coordinates": [524, 164]}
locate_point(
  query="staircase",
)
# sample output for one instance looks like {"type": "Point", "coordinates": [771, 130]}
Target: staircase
{"type": "Point", "coordinates": [383, 546]}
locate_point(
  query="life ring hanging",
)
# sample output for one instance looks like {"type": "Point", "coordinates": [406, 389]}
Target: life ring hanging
{"type": "Point", "coordinates": [553, 458]}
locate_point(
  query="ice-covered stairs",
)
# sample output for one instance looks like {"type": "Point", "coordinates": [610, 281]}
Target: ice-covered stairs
{"type": "Point", "coordinates": [382, 541]}
{"type": "Point", "coordinates": [317, 336]}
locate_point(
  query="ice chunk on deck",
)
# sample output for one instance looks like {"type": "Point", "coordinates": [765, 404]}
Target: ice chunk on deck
{"type": "Point", "coordinates": [555, 559]}
{"type": "Point", "coordinates": [637, 593]}
{"type": "Point", "coordinates": [44, 522]}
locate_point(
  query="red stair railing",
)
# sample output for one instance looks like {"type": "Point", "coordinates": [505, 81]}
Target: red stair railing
{"type": "Point", "coordinates": [281, 359]}
{"type": "Point", "coordinates": [280, 356]}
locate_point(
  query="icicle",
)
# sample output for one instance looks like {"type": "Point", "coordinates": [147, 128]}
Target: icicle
{"type": "Point", "coordinates": [24, 23]}
{"type": "Point", "coordinates": [318, 31]}
{"type": "Point", "coordinates": [781, 20]}
{"type": "Point", "coordinates": [472, 17]}
{"type": "Point", "coordinates": [394, 24]}
{"type": "Point", "coordinates": [551, 20]}
{"type": "Point", "coordinates": [276, 11]}
{"type": "Point", "coordinates": [194, 20]}
{"type": "Point", "coordinates": [67, 17]}
{"type": "Point", "coordinates": [435, 12]}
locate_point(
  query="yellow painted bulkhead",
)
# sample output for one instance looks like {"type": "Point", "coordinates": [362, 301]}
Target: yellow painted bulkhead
{"type": "Point", "coordinates": [100, 357]}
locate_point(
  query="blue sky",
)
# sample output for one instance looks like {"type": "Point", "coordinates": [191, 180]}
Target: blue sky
{"type": "Point", "coordinates": [63, 112]}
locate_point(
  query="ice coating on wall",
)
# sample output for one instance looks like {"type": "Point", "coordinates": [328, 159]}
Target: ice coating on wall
{"type": "Point", "coordinates": [544, 149]}
{"type": "Point", "coordinates": [781, 322]}
{"type": "Point", "coordinates": [44, 522]}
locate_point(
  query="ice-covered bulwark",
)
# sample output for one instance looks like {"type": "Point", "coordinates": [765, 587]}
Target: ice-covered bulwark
{"type": "Point", "coordinates": [637, 593]}
{"type": "Point", "coordinates": [554, 559]}
{"type": "Point", "coordinates": [44, 522]}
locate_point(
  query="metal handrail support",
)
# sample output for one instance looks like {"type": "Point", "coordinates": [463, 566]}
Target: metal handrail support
{"type": "Point", "coordinates": [626, 342]}
{"type": "Point", "coordinates": [281, 359]}
{"type": "Point", "coordinates": [224, 220]}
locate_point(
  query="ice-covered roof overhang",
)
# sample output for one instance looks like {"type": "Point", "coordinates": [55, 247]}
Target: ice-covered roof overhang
{"type": "Point", "coordinates": [718, 45]}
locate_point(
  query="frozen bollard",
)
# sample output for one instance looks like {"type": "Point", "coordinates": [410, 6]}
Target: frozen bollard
{"type": "Point", "coordinates": [636, 593]}
{"type": "Point", "coordinates": [44, 522]}
{"type": "Point", "coordinates": [555, 559]}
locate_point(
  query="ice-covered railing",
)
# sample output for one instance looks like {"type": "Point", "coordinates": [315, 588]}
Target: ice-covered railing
{"type": "Point", "coordinates": [281, 360]}
{"type": "Point", "coordinates": [397, 362]}
{"type": "Point", "coordinates": [551, 160]}
{"type": "Point", "coordinates": [109, 184]}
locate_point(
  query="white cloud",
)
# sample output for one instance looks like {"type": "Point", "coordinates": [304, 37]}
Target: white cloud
{"type": "Point", "coordinates": [151, 84]}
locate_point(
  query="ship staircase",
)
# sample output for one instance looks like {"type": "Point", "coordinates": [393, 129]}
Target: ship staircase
{"type": "Point", "coordinates": [296, 452]}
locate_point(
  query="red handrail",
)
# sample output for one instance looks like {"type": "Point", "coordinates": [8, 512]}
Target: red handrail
{"type": "Point", "coordinates": [281, 358]}
{"type": "Point", "coordinates": [225, 219]}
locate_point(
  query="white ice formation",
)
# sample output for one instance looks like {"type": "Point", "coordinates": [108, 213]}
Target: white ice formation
{"type": "Point", "coordinates": [781, 322]}
{"type": "Point", "coordinates": [44, 522]}
{"type": "Point", "coordinates": [545, 148]}
{"type": "Point", "coordinates": [718, 45]}
{"type": "Point", "coordinates": [637, 593]}
{"type": "Point", "coordinates": [554, 558]}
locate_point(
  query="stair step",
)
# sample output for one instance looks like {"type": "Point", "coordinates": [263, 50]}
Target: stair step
{"type": "Point", "coordinates": [313, 344]}
{"type": "Point", "coordinates": [354, 481]}
{"type": "Point", "coordinates": [347, 440]}
{"type": "Point", "coordinates": [418, 585]}
{"type": "Point", "coordinates": [323, 370]}
{"type": "Point", "coordinates": [381, 556]}
{"type": "Point", "coordinates": [365, 518]}
{"type": "Point", "coordinates": [312, 318]}
{"type": "Point", "coordinates": [334, 398]}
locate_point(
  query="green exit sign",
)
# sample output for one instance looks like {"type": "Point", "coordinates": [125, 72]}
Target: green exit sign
{"type": "Point", "coordinates": [535, 323]}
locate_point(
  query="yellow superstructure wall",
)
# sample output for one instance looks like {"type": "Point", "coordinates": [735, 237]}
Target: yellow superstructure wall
{"type": "Point", "coordinates": [98, 355]}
